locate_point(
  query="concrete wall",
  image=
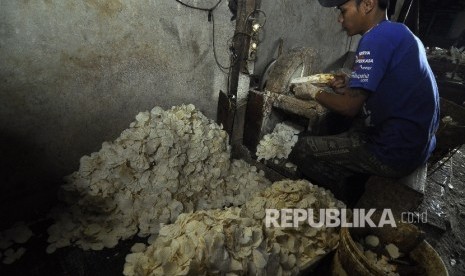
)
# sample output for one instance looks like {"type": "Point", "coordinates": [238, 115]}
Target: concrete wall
{"type": "Point", "coordinates": [75, 73]}
{"type": "Point", "coordinates": [301, 23]}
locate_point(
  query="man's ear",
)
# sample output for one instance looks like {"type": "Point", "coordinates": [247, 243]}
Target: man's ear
{"type": "Point", "coordinates": [368, 5]}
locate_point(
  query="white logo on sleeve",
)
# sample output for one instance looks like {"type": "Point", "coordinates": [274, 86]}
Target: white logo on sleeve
{"type": "Point", "coordinates": [363, 66]}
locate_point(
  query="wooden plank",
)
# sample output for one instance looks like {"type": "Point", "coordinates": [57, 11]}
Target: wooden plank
{"type": "Point", "coordinates": [241, 43]}
{"type": "Point", "coordinates": [225, 112]}
{"type": "Point", "coordinates": [307, 109]}
{"type": "Point", "coordinates": [254, 117]}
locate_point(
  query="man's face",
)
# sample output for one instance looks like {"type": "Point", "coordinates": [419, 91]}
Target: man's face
{"type": "Point", "coordinates": [351, 18]}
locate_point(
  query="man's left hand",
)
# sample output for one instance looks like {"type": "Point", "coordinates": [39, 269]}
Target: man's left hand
{"type": "Point", "coordinates": [339, 83]}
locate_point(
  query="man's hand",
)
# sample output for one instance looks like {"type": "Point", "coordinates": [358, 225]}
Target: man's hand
{"type": "Point", "coordinates": [305, 91]}
{"type": "Point", "coordinates": [339, 82]}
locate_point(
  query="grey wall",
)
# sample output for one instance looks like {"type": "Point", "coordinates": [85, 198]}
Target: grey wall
{"type": "Point", "coordinates": [75, 73]}
{"type": "Point", "coordinates": [300, 23]}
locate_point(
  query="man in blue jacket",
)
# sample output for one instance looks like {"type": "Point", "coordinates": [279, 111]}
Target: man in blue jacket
{"type": "Point", "coordinates": [393, 90]}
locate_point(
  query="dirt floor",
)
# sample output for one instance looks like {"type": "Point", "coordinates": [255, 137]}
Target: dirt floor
{"type": "Point", "coordinates": [444, 205]}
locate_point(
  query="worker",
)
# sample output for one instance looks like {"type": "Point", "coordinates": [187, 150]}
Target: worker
{"type": "Point", "coordinates": [391, 91]}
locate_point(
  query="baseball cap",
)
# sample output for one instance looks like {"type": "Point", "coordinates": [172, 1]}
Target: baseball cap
{"type": "Point", "coordinates": [332, 3]}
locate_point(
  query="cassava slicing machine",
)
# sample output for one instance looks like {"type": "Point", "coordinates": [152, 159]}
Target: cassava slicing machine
{"type": "Point", "coordinates": [275, 102]}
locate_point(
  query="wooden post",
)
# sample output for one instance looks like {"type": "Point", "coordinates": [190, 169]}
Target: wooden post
{"type": "Point", "coordinates": [234, 116]}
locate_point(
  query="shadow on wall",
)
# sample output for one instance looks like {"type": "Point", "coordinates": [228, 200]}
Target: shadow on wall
{"type": "Point", "coordinates": [26, 190]}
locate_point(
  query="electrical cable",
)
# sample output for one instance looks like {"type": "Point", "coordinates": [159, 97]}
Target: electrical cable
{"type": "Point", "coordinates": [233, 58]}
{"type": "Point", "coordinates": [212, 18]}
{"type": "Point", "coordinates": [222, 67]}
